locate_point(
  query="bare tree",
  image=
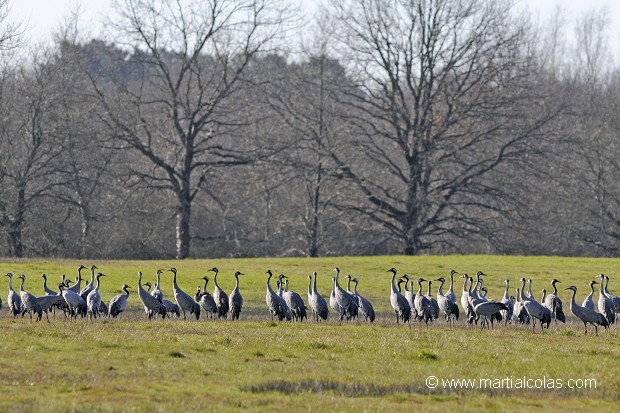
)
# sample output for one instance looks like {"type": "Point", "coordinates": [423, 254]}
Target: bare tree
{"type": "Point", "coordinates": [30, 167]}
{"type": "Point", "coordinates": [177, 109]}
{"type": "Point", "coordinates": [10, 32]}
{"type": "Point", "coordinates": [444, 109]}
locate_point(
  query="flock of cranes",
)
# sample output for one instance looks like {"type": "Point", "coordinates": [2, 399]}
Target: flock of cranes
{"type": "Point", "coordinates": [284, 304]}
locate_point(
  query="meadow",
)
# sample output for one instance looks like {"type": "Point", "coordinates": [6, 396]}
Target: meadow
{"type": "Point", "coordinates": [133, 364]}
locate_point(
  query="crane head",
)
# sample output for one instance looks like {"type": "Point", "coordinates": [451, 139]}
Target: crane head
{"type": "Point", "coordinates": [452, 272]}
{"type": "Point", "coordinates": [392, 270]}
{"type": "Point", "coordinates": [215, 270]}
{"type": "Point", "coordinates": [173, 270]}
{"type": "Point", "coordinates": [572, 287]}
{"type": "Point", "coordinates": [81, 267]}
{"type": "Point", "coordinates": [238, 273]}
{"type": "Point", "coordinates": [441, 280]}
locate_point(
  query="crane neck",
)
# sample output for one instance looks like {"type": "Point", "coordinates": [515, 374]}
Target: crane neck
{"type": "Point", "coordinates": [355, 287]}
{"type": "Point", "coordinates": [310, 285]}
{"type": "Point", "coordinates": [555, 289]}
{"type": "Point", "coordinates": [393, 283]}
{"type": "Point", "coordinates": [506, 291]}
{"type": "Point", "coordinates": [314, 284]}
{"type": "Point", "coordinates": [158, 280]}
{"type": "Point", "coordinates": [205, 287]}
{"type": "Point", "coordinates": [126, 290]}
{"type": "Point", "coordinates": [441, 283]}
{"type": "Point", "coordinates": [237, 281]}
{"type": "Point", "coordinates": [21, 286]}
{"type": "Point", "coordinates": [429, 287]}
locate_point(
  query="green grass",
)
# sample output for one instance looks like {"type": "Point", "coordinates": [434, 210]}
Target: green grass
{"type": "Point", "coordinates": [257, 365]}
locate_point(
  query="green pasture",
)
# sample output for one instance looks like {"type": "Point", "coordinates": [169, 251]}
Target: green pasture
{"type": "Point", "coordinates": [131, 364]}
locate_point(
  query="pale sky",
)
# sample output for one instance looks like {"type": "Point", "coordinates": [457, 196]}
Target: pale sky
{"type": "Point", "coordinates": [43, 16]}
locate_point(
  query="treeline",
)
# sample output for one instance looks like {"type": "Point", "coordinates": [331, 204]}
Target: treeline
{"type": "Point", "coordinates": [408, 126]}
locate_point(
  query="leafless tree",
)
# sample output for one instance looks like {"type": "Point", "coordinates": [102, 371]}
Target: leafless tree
{"type": "Point", "coordinates": [446, 91]}
{"type": "Point", "coordinates": [178, 109]}
{"type": "Point", "coordinates": [11, 32]}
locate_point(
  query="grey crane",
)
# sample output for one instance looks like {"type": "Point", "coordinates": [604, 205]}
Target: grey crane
{"type": "Point", "coordinates": [449, 308]}
{"type": "Point", "coordinates": [76, 288]}
{"type": "Point", "coordinates": [206, 300]}
{"type": "Point", "coordinates": [519, 314]}
{"type": "Point", "coordinates": [507, 314]}
{"type": "Point", "coordinates": [433, 303]}
{"type": "Point", "coordinates": [118, 303]}
{"type": "Point", "coordinates": [399, 302]}
{"type": "Point", "coordinates": [14, 301]}
{"type": "Point", "coordinates": [535, 310]}
{"type": "Point", "coordinates": [77, 305]}
{"type": "Point", "coordinates": [29, 301]}
{"type": "Point", "coordinates": [184, 300]}
{"type": "Point", "coordinates": [274, 302]}
{"type": "Point", "coordinates": [588, 302]}
{"type": "Point", "coordinates": [554, 303]}
{"type": "Point", "coordinates": [354, 302]}
{"type": "Point", "coordinates": [171, 308]}
{"type": "Point", "coordinates": [47, 290]}
{"type": "Point", "coordinates": [220, 297]}
{"type": "Point", "coordinates": [408, 294]}
{"type": "Point", "coordinates": [586, 315]}
{"type": "Point", "coordinates": [49, 301]}
{"type": "Point", "coordinates": [235, 300]}
{"type": "Point", "coordinates": [489, 310]}
{"type": "Point", "coordinates": [316, 300]}
{"type": "Point", "coordinates": [422, 304]}
{"type": "Point", "coordinates": [157, 293]}
{"type": "Point", "coordinates": [295, 303]}
{"type": "Point", "coordinates": [364, 305]}
{"type": "Point", "coordinates": [287, 310]}
{"type": "Point", "coordinates": [605, 305]}
{"type": "Point", "coordinates": [333, 303]}
{"type": "Point", "coordinates": [93, 300]}
{"type": "Point", "coordinates": [152, 306]}
{"type": "Point", "coordinates": [467, 309]}
{"type": "Point", "coordinates": [91, 284]}
{"type": "Point", "coordinates": [614, 298]}
{"type": "Point", "coordinates": [450, 294]}
{"type": "Point", "coordinates": [346, 305]}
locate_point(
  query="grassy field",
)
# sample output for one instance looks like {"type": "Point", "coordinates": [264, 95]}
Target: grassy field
{"type": "Point", "coordinates": [131, 364]}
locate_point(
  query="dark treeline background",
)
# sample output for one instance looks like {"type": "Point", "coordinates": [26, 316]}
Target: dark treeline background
{"type": "Point", "coordinates": [206, 129]}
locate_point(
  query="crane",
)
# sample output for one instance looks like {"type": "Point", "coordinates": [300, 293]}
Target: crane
{"type": "Point", "coordinates": [273, 300]}
{"type": "Point", "coordinates": [118, 303]}
{"type": "Point", "coordinates": [588, 302]}
{"type": "Point", "coordinates": [295, 303]}
{"type": "Point", "coordinates": [235, 300]}
{"type": "Point", "coordinates": [157, 293]}
{"type": "Point", "coordinates": [91, 284]}
{"type": "Point", "coordinates": [367, 309]}
{"type": "Point", "coordinates": [29, 301]}
{"type": "Point", "coordinates": [605, 305]}
{"type": "Point", "coordinates": [77, 305]}
{"type": "Point", "coordinates": [316, 300]}
{"type": "Point", "coordinates": [14, 301]}
{"type": "Point", "coordinates": [449, 308]}
{"type": "Point", "coordinates": [93, 299]}
{"type": "Point", "coordinates": [152, 306]}
{"type": "Point", "coordinates": [586, 315]}
{"type": "Point", "coordinates": [507, 314]}
{"type": "Point", "coordinates": [399, 302]}
{"type": "Point", "coordinates": [220, 297]}
{"type": "Point", "coordinates": [206, 300]}
{"type": "Point", "coordinates": [184, 300]}
{"type": "Point", "coordinates": [554, 303]}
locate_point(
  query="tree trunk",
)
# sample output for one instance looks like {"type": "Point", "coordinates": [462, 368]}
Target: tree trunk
{"type": "Point", "coordinates": [184, 214]}
{"type": "Point", "coordinates": [15, 226]}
